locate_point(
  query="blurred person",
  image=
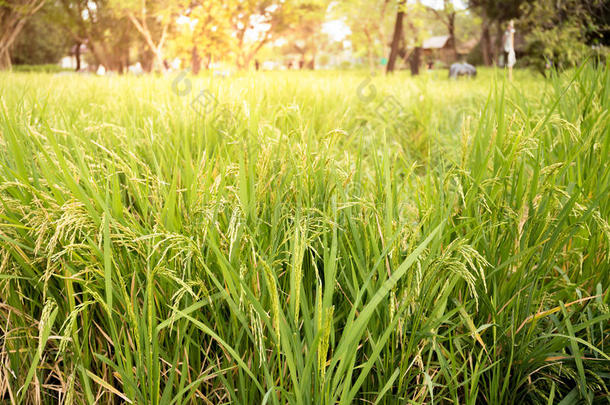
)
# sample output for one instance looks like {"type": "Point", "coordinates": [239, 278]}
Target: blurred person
{"type": "Point", "coordinates": [508, 42]}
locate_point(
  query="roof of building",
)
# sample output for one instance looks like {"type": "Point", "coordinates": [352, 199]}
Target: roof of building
{"type": "Point", "coordinates": [435, 42]}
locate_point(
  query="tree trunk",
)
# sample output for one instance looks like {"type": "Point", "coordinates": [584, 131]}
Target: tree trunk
{"type": "Point", "coordinates": [248, 56]}
{"type": "Point", "coordinates": [242, 61]}
{"type": "Point", "coordinates": [497, 43]}
{"type": "Point", "coordinates": [13, 20]}
{"type": "Point", "coordinates": [7, 39]}
{"type": "Point", "coordinates": [156, 49]}
{"type": "Point", "coordinates": [146, 59]}
{"type": "Point", "coordinates": [126, 61]}
{"type": "Point", "coordinates": [195, 61]}
{"type": "Point", "coordinates": [161, 63]}
{"type": "Point", "coordinates": [5, 60]}
{"type": "Point", "coordinates": [486, 43]}
{"type": "Point", "coordinates": [245, 65]}
{"type": "Point", "coordinates": [451, 29]}
{"type": "Point", "coordinates": [123, 52]}
{"type": "Point", "coordinates": [396, 37]}
{"type": "Point", "coordinates": [98, 55]}
{"type": "Point", "coordinates": [415, 61]}
{"type": "Point", "coordinates": [77, 56]}
{"type": "Point", "coordinates": [312, 62]}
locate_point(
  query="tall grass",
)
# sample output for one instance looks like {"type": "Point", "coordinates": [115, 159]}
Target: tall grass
{"type": "Point", "coordinates": [304, 245]}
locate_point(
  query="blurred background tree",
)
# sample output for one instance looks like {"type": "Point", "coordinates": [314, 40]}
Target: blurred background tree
{"type": "Point", "coordinates": [370, 22]}
{"type": "Point", "coordinates": [117, 34]}
{"type": "Point", "coordinates": [13, 16]}
{"type": "Point", "coordinates": [203, 34]}
{"type": "Point", "coordinates": [41, 41]}
{"type": "Point", "coordinates": [494, 14]}
{"type": "Point", "coordinates": [304, 34]}
{"type": "Point", "coordinates": [561, 33]}
{"type": "Point", "coordinates": [153, 20]}
{"type": "Point", "coordinates": [96, 33]}
{"type": "Point", "coordinates": [256, 23]}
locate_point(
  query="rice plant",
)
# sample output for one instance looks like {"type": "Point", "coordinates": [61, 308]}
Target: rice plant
{"type": "Point", "coordinates": [300, 243]}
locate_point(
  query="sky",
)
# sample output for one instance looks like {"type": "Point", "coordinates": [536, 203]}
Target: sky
{"type": "Point", "coordinates": [438, 4]}
{"type": "Point", "coordinates": [337, 30]}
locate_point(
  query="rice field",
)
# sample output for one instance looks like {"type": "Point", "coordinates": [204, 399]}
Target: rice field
{"type": "Point", "coordinates": [305, 238]}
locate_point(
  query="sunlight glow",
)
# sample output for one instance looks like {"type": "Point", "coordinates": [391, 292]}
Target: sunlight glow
{"type": "Point", "coordinates": [337, 30]}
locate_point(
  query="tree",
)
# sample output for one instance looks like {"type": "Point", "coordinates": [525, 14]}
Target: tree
{"type": "Point", "coordinates": [94, 23]}
{"type": "Point", "coordinates": [369, 21]}
{"type": "Point", "coordinates": [420, 22]}
{"type": "Point", "coordinates": [486, 49]}
{"type": "Point", "coordinates": [494, 12]}
{"type": "Point", "coordinates": [415, 23]}
{"type": "Point", "coordinates": [203, 33]}
{"type": "Point", "coordinates": [396, 37]}
{"type": "Point", "coordinates": [447, 16]}
{"type": "Point", "coordinates": [255, 23]}
{"type": "Point", "coordinates": [558, 31]}
{"type": "Point", "coordinates": [153, 19]}
{"type": "Point", "coordinates": [13, 16]}
{"type": "Point", "coordinates": [41, 41]}
{"type": "Point", "coordinates": [304, 32]}
{"type": "Point", "coordinates": [600, 12]}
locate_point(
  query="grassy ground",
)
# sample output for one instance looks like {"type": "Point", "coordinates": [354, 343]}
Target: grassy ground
{"type": "Point", "coordinates": [305, 238]}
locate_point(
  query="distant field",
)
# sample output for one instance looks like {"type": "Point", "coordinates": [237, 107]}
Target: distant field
{"type": "Point", "coordinates": [305, 238]}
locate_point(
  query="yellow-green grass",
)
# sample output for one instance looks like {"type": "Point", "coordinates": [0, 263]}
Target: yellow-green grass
{"type": "Point", "coordinates": [310, 237]}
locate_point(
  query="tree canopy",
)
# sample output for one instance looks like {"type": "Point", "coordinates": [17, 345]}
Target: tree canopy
{"type": "Point", "coordinates": [202, 33]}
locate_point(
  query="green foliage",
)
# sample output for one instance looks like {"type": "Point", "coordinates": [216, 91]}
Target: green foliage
{"type": "Point", "coordinates": [304, 32]}
{"type": "Point", "coordinates": [275, 17]}
{"type": "Point", "coordinates": [499, 10]}
{"type": "Point", "coordinates": [206, 32]}
{"type": "Point", "coordinates": [371, 26]}
{"type": "Point", "coordinates": [107, 36]}
{"type": "Point", "coordinates": [40, 42]}
{"type": "Point", "coordinates": [557, 32]}
{"type": "Point", "coordinates": [475, 57]}
{"type": "Point", "coordinates": [436, 242]}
